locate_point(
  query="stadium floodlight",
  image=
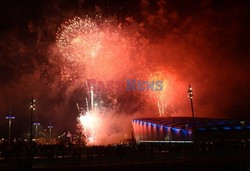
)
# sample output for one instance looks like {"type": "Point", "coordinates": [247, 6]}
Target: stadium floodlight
{"type": "Point", "coordinates": [190, 95]}
{"type": "Point", "coordinates": [32, 108]}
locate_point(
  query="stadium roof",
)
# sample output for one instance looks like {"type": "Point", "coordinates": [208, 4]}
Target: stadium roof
{"type": "Point", "coordinates": [201, 124]}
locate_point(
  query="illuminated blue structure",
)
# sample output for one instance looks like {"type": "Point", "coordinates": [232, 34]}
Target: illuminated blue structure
{"type": "Point", "coordinates": [179, 129]}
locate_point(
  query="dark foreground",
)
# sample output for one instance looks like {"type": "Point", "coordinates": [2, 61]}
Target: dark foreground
{"type": "Point", "coordinates": [124, 157]}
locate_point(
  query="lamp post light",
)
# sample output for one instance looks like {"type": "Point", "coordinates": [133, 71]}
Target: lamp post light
{"type": "Point", "coordinates": [50, 129]}
{"type": "Point", "coordinates": [36, 124]}
{"type": "Point", "coordinates": [9, 118]}
{"type": "Point", "coordinates": [32, 109]}
{"type": "Point", "coordinates": [190, 95]}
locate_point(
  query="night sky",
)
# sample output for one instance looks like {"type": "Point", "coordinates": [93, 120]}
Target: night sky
{"type": "Point", "coordinates": [205, 43]}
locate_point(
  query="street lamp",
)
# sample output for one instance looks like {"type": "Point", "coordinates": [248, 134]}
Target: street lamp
{"type": "Point", "coordinates": [36, 124]}
{"type": "Point", "coordinates": [32, 109]}
{"type": "Point", "coordinates": [190, 95]}
{"type": "Point", "coordinates": [50, 129]}
{"type": "Point", "coordinates": [9, 118]}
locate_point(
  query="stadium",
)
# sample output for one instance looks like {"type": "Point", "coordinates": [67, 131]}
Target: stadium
{"type": "Point", "coordinates": [187, 129]}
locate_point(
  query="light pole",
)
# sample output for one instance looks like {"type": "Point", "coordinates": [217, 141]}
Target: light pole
{"type": "Point", "coordinates": [32, 109]}
{"type": "Point", "coordinates": [50, 129]}
{"type": "Point", "coordinates": [36, 124]}
{"type": "Point", "coordinates": [9, 118]}
{"type": "Point", "coordinates": [190, 95]}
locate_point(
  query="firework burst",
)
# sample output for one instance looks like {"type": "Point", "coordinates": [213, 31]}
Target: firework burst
{"type": "Point", "coordinates": [162, 99]}
{"type": "Point", "coordinates": [90, 124]}
{"type": "Point", "coordinates": [96, 49]}
{"type": "Point", "coordinates": [79, 39]}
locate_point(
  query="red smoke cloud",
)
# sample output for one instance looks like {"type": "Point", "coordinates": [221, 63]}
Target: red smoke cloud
{"type": "Point", "coordinates": [203, 43]}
